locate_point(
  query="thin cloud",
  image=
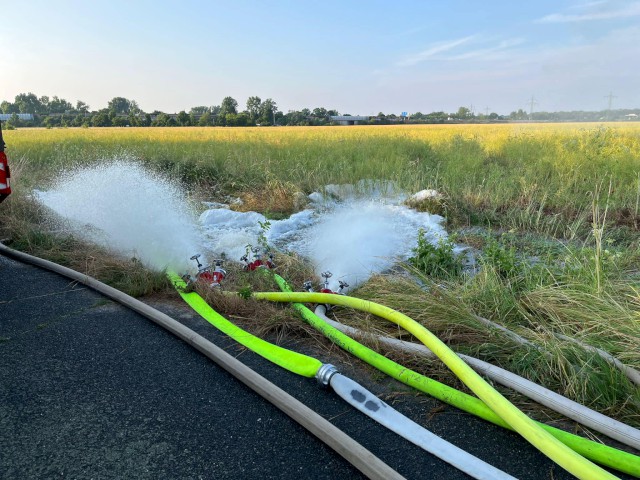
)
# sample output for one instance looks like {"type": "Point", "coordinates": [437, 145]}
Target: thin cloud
{"type": "Point", "coordinates": [583, 6]}
{"type": "Point", "coordinates": [632, 10]}
{"type": "Point", "coordinates": [433, 50]}
{"type": "Point", "coordinates": [490, 52]}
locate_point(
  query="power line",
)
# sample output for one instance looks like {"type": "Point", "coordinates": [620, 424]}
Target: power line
{"type": "Point", "coordinates": [611, 96]}
{"type": "Point", "coordinates": [531, 103]}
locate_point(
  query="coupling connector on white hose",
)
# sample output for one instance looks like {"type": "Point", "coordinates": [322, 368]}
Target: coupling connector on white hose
{"type": "Point", "coordinates": [324, 374]}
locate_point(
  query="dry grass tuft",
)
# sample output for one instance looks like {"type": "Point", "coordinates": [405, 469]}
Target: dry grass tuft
{"type": "Point", "coordinates": [275, 197]}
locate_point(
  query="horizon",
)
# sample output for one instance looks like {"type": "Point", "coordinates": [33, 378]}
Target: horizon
{"type": "Point", "coordinates": [358, 57]}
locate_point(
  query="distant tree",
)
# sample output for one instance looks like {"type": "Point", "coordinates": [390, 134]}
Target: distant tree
{"type": "Point", "coordinates": [184, 119]}
{"type": "Point", "coordinates": [162, 120]}
{"type": "Point", "coordinates": [436, 117]}
{"type": "Point", "coordinates": [44, 105]}
{"type": "Point", "coordinates": [59, 105]}
{"type": "Point", "coordinates": [120, 105]}
{"type": "Point", "coordinates": [136, 120]}
{"type": "Point", "coordinates": [49, 122]}
{"type": "Point", "coordinates": [77, 121]}
{"type": "Point", "coordinates": [205, 120]}
{"type": "Point", "coordinates": [199, 110]}
{"type": "Point", "coordinates": [320, 112]}
{"type": "Point", "coordinates": [228, 105]}
{"type": "Point", "coordinates": [493, 116]}
{"type": "Point", "coordinates": [463, 113]}
{"type": "Point", "coordinates": [268, 111]}
{"type": "Point", "coordinates": [28, 103]}
{"type": "Point", "coordinates": [120, 122]}
{"type": "Point", "coordinates": [14, 121]}
{"type": "Point", "coordinates": [101, 119]}
{"type": "Point", "coordinates": [519, 115]}
{"type": "Point", "coordinates": [231, 120]}
{"type": "Point", "coordinates": [8, 107]}
{"type": "Point", "coordinates": [332, 113]}
{"type": "Point", "coordinates": [295, 118]}
{"type": "Point", "coordinates": [82, 107]}
{"type": "Point", "coordinates": [253, 107]}
{"type": "Point", "coordinates": [220, 120]}
{"type": "Point", "coordinates": [243, 119]}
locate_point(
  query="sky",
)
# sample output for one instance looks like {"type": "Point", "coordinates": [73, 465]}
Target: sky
{"type": "Point", "coordinates": [356, 56]}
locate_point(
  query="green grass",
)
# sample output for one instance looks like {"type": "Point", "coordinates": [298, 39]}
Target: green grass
{"type": "Point", "coordinates": [533, 177]}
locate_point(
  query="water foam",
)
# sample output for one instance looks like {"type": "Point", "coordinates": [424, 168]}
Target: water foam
{"type": "Point", "coordinates": [352, 237]}
{"type": "Point", "coordinates": [128, 209]}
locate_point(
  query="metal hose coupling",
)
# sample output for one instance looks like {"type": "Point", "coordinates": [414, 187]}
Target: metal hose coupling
{"type": "Point", "coordinates": [324, 374]}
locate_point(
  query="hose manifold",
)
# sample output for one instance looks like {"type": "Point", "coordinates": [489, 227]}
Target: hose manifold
{"type": "Point", "coordinates": [324, 374]}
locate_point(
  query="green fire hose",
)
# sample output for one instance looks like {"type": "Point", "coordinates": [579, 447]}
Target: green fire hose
{"type": "Point", "coordinates": [292, 361]}
{"type": "Point", "coordinates": [602, 454]}
{"type": "Point", "coordinates": [345, 388]}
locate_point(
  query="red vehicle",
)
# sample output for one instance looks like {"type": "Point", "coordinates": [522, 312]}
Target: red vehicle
{"type": "Point", "coordinates": [5, 174]}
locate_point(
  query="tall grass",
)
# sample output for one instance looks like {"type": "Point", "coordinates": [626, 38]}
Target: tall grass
{"type": "Point", "coordinates": [521, 175]}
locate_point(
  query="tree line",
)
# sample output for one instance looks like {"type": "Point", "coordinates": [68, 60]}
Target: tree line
{"type": "Point", "coordinates": [120, 112]}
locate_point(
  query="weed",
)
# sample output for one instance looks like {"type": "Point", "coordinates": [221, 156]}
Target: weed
{"type": "Point", "coordinates": [439, 260]}
{"type": "Point", "coordinates": [501, 257]}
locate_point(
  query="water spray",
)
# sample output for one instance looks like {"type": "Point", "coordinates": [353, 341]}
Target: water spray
{"type": "Point", "coordinates": [123, 206]}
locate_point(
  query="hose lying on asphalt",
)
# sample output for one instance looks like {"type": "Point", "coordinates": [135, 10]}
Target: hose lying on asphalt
{"type": "Point", "coordinates": [586, 416]}
{"type": "Point", "coordinates": [354, 394]}
{"type": "Point", "coordinates": [600, 453]}
{"type": "Point", "coordinates": [352, 451]}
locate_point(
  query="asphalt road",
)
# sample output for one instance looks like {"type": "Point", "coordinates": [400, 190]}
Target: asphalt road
{"type": "Point", "coordinates": [89, 389]}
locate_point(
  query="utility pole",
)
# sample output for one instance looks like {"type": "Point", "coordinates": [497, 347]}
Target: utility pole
{"type": "Point", "coordinates": [611, 96]}
{"type": "Point", "coordinates": [532, 102]}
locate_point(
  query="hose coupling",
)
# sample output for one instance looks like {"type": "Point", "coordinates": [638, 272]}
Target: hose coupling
{"type": "Point", "coordinates": [324, 374]}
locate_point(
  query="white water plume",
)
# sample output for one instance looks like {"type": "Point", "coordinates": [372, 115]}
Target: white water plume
{"type": "Point", "coordinates": [353, 238]}
{"type": "Point", "coordinates": [126, 208]}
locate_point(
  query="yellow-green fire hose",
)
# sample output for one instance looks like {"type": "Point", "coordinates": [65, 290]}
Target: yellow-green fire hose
{"type": "Point", "coordinates": [553, 448]}
{"type": "Point", "coordinates": [598, 452]}
{"type": "Point", "coordinates": [292, 361]}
